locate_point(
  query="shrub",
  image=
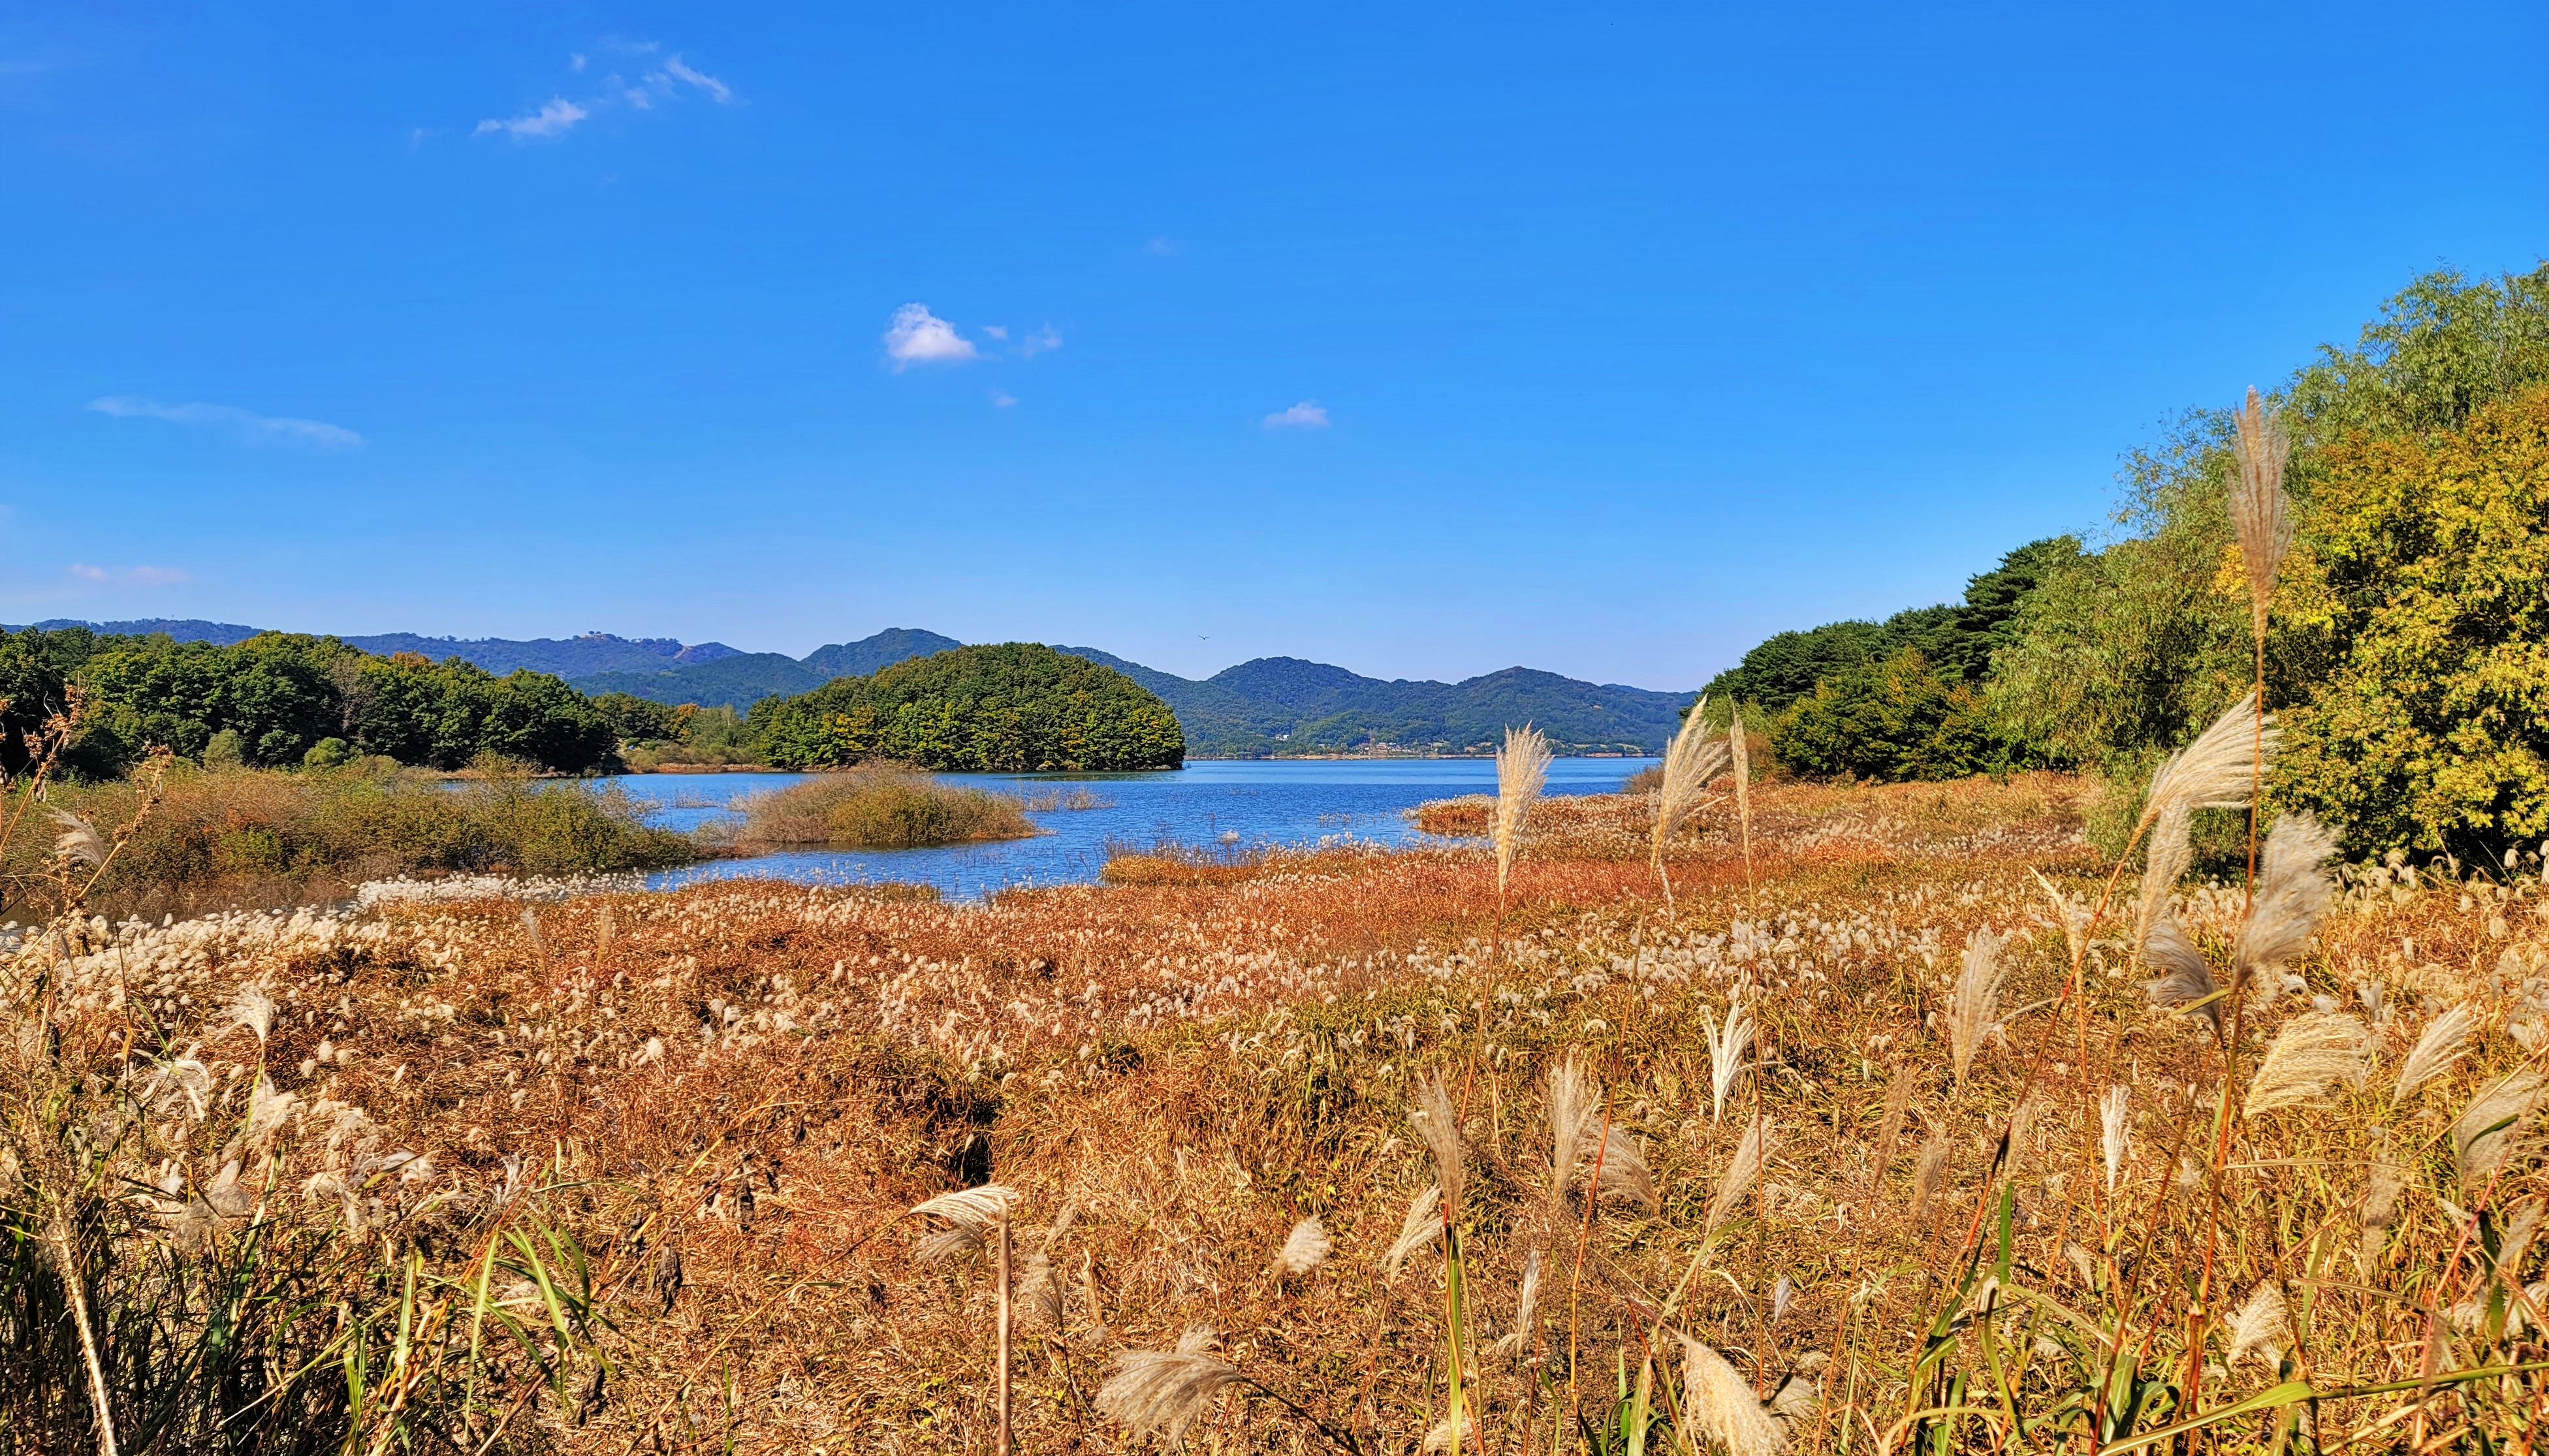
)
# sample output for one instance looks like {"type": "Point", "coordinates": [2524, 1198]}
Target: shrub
{"type": "Point", "coordinates": [1017, 707]}
{"type": "Point", "coordinates": [882, 806]}
{"type": "Point", "coordinates": [2426, 575]}
{"type": "Point", "coordinates": [255, 837]}
{"type": "Point", "coordinates": [1892, 721]}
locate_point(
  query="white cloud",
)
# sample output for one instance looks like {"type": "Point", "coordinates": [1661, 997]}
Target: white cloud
{"type": "Point", "coordinates": [919, 336]}
{"type": "Point", "coordinates": [128, 576]}
{"type": "Point", "coordinates": [997, 330]}
{"type": "Point", "coordinates": [247, 422]}
{"type": "Point", "coordinates": [1001, 399]}
{"type": "Point", "coordinates": [1164, 247]}
{"type": "Point", "coordinates": [552, 119]}
{"type": "Point", "coordinates": [1308, 415]}
{"type": "Point", "coordinates": [1037, 343]}
{"type": "Point", "coordinates": [700, 79]}
{"type": "Point", "coordinates": [575, 61]}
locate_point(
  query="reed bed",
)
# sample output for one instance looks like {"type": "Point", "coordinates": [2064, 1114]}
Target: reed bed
{"type": "Point", "coordinates": [699, 1124]}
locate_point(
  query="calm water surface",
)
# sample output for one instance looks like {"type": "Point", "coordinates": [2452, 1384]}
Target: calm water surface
{"type": "Point", "coordinates": [1231, 802]}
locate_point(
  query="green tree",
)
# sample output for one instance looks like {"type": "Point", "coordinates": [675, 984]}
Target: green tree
{"type": "Point", "coordinates": [1014, 706]}
{"type": "Point", "coordinates": [1894, 720]}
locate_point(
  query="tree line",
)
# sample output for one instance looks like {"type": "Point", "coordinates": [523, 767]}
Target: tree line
{"type": "Point", "coordinates": [2405, 658]}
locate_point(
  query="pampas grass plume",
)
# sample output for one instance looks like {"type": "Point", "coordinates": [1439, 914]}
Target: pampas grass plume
{"type": "Point", "coordinates": [1522, 766]}
{"type": "Point", "coordinates": [1571, 1100]}
{"type": "Point", "coordinates": [1422, 1225]}
{"type": "Point", "coordinates": [1741, 1170]}
{"type": "Point", "coordinates": [2258, 505]}
{"type": "Point", "coordinates": [1440, 1127]}
{"type": "Point", "coordinates": [2445, 1040]}
{"type": "Point", "coordinates": [1726, 1048]}
{"type": "Point", "coordinates": [1165, 1390]}
{"type": "Point", "coordinates": [2292, 895]}
{"type": "Point", "coordinates": [1929, 1176]}
{"type": "Point", "coordinates": [78, 840]}
{"type": "Point", "coordinates": [1717, 1401]}
{"type": "Point", "coordinates": [971, 1212]}
{"type": "Point", "coordinates": [2259, 1327]}
{"type": "Point", "coordinates": [2311, 1058]}
{"type": "Point", "coordinates": [1977, 995]}
{"type": "Point", "coordinates": [1691, 764]}
{"type": "Point", "coordinates": [2115, 1132]}
{"type": "Point", "coordinates": [1305, 1249]}
{"type": "Point", "coordinates": [2492, 1127]}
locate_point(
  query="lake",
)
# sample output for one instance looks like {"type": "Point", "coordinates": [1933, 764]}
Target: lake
{"type": "Point", "coordinates": [1233, 802]}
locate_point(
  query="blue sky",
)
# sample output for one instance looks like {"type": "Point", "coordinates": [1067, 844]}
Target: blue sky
{"type": "Point", "coordinates": [1423, 340]}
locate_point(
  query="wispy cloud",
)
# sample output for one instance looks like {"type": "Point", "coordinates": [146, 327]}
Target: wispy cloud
{"type": "Point", "coordinates": [1039, 341]}
{"type": "Point", "coordinates": [716, 88]}
{"type": "Point", "coordinates": [247, 423]}
{"type": "Point", "coordinates": [1308, 415]}
{"type": "Point", "coordinates": [1001, 399]}
{"type": "Point", "coordinates": [919, 336]}
{"type": "Point", "coordinates": [575, 61]}
{"type": "Point", "coordinates": [128, 576]}
{"type": "Point", "coordinates": [553, 120]}
{"type": "Point", "coordinates": [1164, 247]}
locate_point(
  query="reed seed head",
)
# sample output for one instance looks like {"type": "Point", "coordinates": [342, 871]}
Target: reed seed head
{"type": "Point", "coordinates": [2293, 893]}
{"type": "Point", "coordinates": [1440, 1127]}
{"type": "Point", "coordinates": [971, 1215]}
{"type": "Point", "coordinates": [77, 840]}
{"type": "Point", "coordinates": [2115, 1133]}
{"type": "Point", "coordinates": [2494, 1127]}
{"type": "Point", "coordinates": [2258, 1327]}
{"type": "Point", "coordinates": [1740, 1171]}
{"type": "Point", "coordinates": [1691, 763]}
{"type": "Point", "coordinates": [1422, 1225]}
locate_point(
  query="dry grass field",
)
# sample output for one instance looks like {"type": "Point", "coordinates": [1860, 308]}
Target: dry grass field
{"type": "Point", "coordinates": [635, 1172]}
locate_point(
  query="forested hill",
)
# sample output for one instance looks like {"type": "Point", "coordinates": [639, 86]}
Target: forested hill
{"type": "Point", "coordinates": [1269, 706]}
{"type": "Point", "coordinates": [1277, 706]}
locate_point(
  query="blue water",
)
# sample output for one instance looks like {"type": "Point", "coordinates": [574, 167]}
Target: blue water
{"type": "Point", "coordinates": [1217, 802]}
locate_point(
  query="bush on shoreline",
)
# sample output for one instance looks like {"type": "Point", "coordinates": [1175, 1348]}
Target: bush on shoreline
{"type": "Point", "coordinates": [881, 806]}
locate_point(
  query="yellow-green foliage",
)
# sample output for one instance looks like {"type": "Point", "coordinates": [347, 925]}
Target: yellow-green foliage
{"type": "Point", "coordinates": [882, 806]}
{"type": "Point", "coordinates": [2429, 577]}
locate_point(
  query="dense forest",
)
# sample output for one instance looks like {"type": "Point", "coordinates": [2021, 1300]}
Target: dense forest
{"type": "Point", "coordinates": [1011, 707]}
{"type": "Point", "coordinates": [281, 699]}
{"type": "Point", "coordinates": [2405, 655]}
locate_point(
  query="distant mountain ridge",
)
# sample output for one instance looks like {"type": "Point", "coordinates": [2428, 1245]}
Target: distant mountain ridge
{"type": "Point", "coordinates": [1265, 707]}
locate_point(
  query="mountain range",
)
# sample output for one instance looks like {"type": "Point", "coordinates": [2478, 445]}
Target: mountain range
{"type": "Point", "coordinates": [1268, 706]}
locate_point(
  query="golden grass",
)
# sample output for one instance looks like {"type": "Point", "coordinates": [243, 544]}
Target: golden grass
{"type": "Point", "coordinates": [881, 806]}
{"type": "Point", "coordinates": [763, 1078]}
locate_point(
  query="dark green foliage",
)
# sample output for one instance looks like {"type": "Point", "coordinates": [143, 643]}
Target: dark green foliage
{"type": "Point", "coordinates": [640, 719]}
{"type": "Point", "coordinates": [1893, 720]}
{"type": "Point", "coordinates": [1014, 707]}
{"type": "Point", "coordinates": [271, 700]}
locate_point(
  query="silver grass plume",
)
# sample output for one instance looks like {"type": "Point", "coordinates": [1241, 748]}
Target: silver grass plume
{"type": "Point", "coordinates": [2212, 772]}
{"type": "Point", "coordinates": [1897, 1104]}
{"type": "Point", "coordinates": [1440, 1127]}
{"type": "Point", "coordinates": [2258, 1327]}
{"type": "Point", "coordinates": [2115, 1112]}
{"type": "Point", "coordinates": [2520, 1226]}
{"type": "Point", "coordinates": [2258, 505]}
{"type": "Point", "coordinates": [1422, 1225]}
{"type": "Point", "coordinates": [1039, 1288]}
{"type": "Point", "coordinates": [1691, 764]}
{"type": "Point", "coordinates": [78, 841]}
{"type": "Point", "coordinates": [1526, 1309]}
{"type": "Point", "coordinates": [2072, 913]}
{"type": "Point", "coordinates": [1522, 766]}
{"type": "Point", "coordinates": [1717, 1401]}
{"type": "Point", "coordinates": [1625, 1174]}
{"type": "Point", "coordinates": [2022, 1131]}
{"type": "Point", "coordinates": [2445, 1040]}
{"type": "Point", "coordinates": [2494, 1126]}
{"type": "Point", "coordinates": [1165, 1390]}
{"type": "Point", "coordinates": [1741, 1170]}
{"type": "Point", "coordinates": [2380, 1206]}
{"type": "Point", "coordinates": [971, 1213]}
{"type": "Point", "coordinates": [1977, 995]}
{"type": "Point", "coordinates": [2316, 1054]}
{"type": "Point", "coordinates": [254, 1009]}
{"type": "Point", "coordinates": [1571, 1100]}
{"type": "Point", "coordinates": [1726, 1048]}
{"type": "Point", "coordinates": [1740, 753]}
{"type": "Point", "coordinates": [1929, 1176]}
{"type": "Point", "coordinates": [1305, 1249]}
{"type": "Point", "coordinates": [2184, 976]}
{"type": "Point", "coordinates": [2292, 895]}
